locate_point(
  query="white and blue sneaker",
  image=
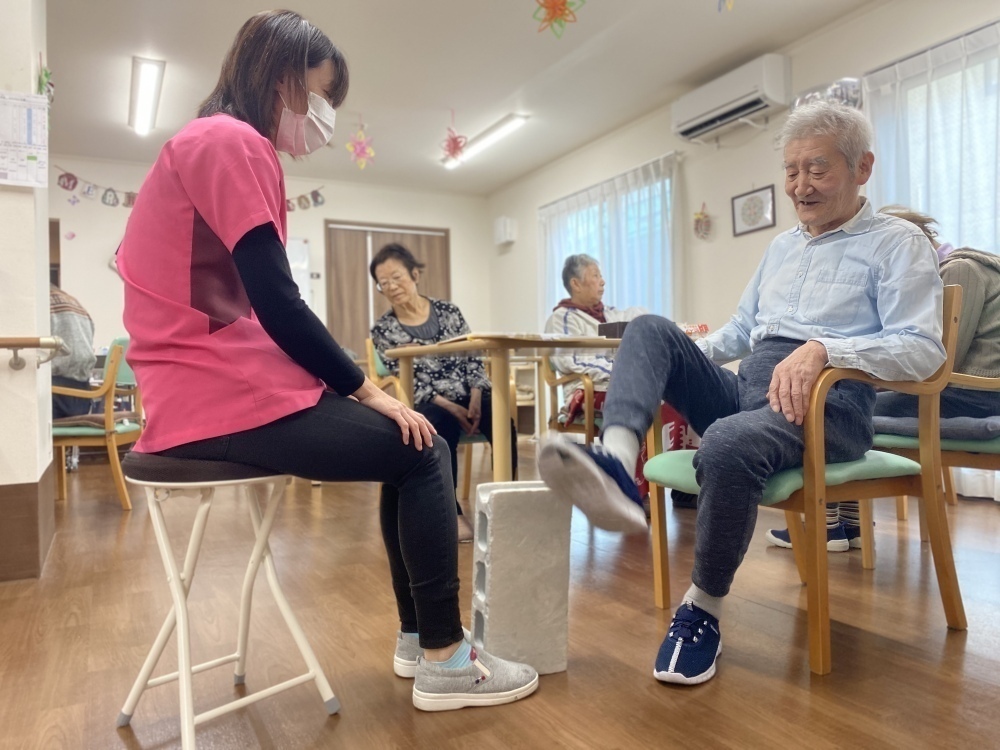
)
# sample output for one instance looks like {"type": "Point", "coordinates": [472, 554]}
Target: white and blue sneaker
{"type": "Point", "coordinates": [596, 482]}
{"type": "Point", "coordinates": [687, 655]}
{"type": "Point", "coordinates": [408, 654]}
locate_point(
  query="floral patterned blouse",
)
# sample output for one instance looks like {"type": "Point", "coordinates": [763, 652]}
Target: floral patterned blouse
{"type": "Point", "coordinates": [452, 376]}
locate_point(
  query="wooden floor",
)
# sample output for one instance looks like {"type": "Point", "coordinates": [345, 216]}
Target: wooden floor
{"type": "Point", "coordinates": [72, 642]}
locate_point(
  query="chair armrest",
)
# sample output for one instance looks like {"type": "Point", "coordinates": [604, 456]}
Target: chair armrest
{"type": "Point", "coordinates": [975, 382]}
{"type": "Point", "coordinates": [90, 393]}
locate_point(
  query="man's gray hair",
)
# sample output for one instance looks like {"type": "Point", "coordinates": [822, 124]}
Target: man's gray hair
{"type": "Point", "coordinates": [573, 269]}
{"type": "Point", "coordinates": [849, 126]}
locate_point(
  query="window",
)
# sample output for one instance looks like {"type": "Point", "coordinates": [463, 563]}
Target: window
{"type": "Point", "coordinates": [936, 116]}
{"type": "Point", "coordinates": [625, 223]}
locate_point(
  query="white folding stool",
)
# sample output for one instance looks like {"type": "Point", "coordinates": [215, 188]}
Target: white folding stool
{"type": "Point", "coordinates": [162, 477]}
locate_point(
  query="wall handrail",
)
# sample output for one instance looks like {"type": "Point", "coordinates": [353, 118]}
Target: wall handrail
{"type": "Point", "coordinates": [53, 344]}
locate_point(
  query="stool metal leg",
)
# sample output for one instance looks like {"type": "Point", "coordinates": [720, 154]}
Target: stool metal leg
{"type": "Point", "coordinates": [179, 583]}
{"type": "Point", "coordinates": [273, 493]}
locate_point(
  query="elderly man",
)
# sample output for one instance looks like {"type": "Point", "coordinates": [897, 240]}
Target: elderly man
{"type": "Point", "coordinates": [846, 287]}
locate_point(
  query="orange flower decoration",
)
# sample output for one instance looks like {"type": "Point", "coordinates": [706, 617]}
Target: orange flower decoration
{"type": "Point", "coordinates": [555, 14]}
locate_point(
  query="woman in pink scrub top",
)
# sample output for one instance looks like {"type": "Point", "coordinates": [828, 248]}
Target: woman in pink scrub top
{"type": "Point", "coordinates": [235, 367]}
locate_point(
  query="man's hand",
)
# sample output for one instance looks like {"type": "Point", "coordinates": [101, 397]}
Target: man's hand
{"type": "Point", "coordinates": [411, 423]}
{"type": "Point", "coordinates": [793, 378]}
{"type": "Point", "coordinates": [475, 411]}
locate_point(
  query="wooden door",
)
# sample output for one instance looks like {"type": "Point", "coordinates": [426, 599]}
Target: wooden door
{"type": "Point", "coordinates": [352, 301]}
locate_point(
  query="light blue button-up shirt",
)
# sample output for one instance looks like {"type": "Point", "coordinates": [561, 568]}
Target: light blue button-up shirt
{"type": "Point", "coordinates": [869, 291]}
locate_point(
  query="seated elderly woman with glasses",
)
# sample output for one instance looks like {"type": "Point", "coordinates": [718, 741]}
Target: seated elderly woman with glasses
{"type": "Point", "coordinates": [452, 391]}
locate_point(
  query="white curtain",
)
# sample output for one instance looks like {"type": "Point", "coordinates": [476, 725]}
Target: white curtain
{"type": "Point", "coordinates": [937, 149]}
{"type": "Point", "coordinates": [628, 224]}
{"type": "Point", "coordinates": [936, 116]}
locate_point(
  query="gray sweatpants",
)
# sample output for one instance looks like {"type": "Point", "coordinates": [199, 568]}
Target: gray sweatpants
{"type": "Point", "coordinates": [743, 442]}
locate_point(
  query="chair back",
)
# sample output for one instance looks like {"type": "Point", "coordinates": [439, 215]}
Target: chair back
{"type": "Point", "coordinates": [125, 375]}
{"type": "Point", "coordinates": [549, 373]}
{"type": "Point", "coordinates": [376, 366]}
{"type": "Point", "coordinates": [952, 308]}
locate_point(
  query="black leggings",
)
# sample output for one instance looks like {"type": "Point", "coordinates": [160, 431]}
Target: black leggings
{"type": "Point", "coordinates": [339, 440]}
{"type": "Point", "coordinates": [451, 430]}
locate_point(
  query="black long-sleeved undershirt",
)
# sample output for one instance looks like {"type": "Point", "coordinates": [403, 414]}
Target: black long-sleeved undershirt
{"type": "Point", "coordinates": [267, 277]}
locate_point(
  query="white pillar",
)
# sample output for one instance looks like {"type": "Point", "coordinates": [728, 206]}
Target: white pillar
{"type": "Point", "coordinates": [520, 596]}
{"type": "Point", "coordinates": [26, 486]}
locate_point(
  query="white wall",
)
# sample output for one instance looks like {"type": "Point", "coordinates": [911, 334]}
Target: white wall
{"type": "Point", "coordinates": [716, 270]}
{"type": "Point", "coordinates": [99, 228]}
{"type": "Point", "coordinates": [25, 397]}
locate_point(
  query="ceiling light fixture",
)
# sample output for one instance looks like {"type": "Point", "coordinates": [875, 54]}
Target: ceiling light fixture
{"type": "Point", "coordinates": [487, 138]}
{"type": "Point", "coordinates": [147, 81]}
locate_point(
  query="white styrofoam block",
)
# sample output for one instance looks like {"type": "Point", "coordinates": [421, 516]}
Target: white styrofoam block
{"type": "Point", "coordinates": [520, 601]}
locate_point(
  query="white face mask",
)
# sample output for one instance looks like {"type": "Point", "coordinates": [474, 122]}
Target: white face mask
{"type": "Point", "coordinates": [299, 135]}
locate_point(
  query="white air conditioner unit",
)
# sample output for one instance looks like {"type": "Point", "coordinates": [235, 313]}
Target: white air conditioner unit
{"type": "Point", "coordinates": [752, 90]}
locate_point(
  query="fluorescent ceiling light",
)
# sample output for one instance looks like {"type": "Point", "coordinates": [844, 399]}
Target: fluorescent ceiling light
{"type": "Point", "coordinates": [487, 138]}
{"type": "Point", "coordinates": [147, 81]}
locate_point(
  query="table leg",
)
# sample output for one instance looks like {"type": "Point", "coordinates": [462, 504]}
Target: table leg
{"type": "Point", "coordinates": [500, 379]}
{"type": "Point", "coordinates": [406, 380]}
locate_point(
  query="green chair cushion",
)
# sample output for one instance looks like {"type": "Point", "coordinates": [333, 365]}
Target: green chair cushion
{"type": "Point", "coordinates": [120, 428]}
{"type": "Point", "coordinates": [674, 469]}
{"type": "Point", "coordinates": [885, 440]}
{"type": "Point", "coordinates": [476, 437]}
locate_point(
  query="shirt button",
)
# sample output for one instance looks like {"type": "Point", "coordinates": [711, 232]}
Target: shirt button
{"type": "Point", "coordinates": [800, 275]}
{"type": "Point", "coordinates": [790, 308]}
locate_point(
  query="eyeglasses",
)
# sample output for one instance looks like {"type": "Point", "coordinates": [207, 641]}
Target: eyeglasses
{"type": "Point", "coordinates": [395, 280]}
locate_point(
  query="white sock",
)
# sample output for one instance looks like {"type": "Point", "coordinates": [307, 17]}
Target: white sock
{"type": "Point", "coordinates": [622, 443]}
{"type": "Point", "coordinates": [707, 602]}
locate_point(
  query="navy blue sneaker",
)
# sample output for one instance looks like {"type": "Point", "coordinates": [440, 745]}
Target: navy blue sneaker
{"type": "Point", "coordinates": [853, 534]}
{"type": "Point", "coordinates": [594, 481]}
{"type": "Point", "coordinates": [687, 655]}
{"type": "Point", "coordinates": [837, 538]}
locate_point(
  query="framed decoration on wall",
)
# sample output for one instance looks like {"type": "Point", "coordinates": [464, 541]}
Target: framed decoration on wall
{"type": "Point", "coordinates": [753, 211]}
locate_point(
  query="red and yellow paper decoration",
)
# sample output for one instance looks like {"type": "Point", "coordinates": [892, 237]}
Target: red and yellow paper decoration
{"type": "Point", "coordinates": [555, 14]}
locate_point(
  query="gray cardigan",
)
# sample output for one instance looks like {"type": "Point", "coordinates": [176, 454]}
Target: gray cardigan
{"type": "Point", "coordinates": [978, 274]}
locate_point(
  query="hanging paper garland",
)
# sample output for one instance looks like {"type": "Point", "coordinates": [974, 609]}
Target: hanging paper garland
{"type": "Point", "coordinates": [89, 190]}
{"type": "Point", "coordinates": [129, 200]}
{"type": "Point", "coordinates": [317, 198]}
{"type": "Point", "coordinates": [110, 198]}
{"type": "Point", "coordinates": [67, 181]}
{"type": "Point", "coordinates": [289, 205]}
{"type": "Point", "coordinates": [555, 14]}
{"type": "Point", "coordinates": [360, 147]}
{"type": "Point", "coordinates": [303, 202]}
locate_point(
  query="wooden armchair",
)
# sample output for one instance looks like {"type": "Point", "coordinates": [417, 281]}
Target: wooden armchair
{"type": "Point", "coordinates": [110, 429]}
{"type": "Point", "coordinates": [589, 427]}
{"type": "Point", "coordinates": [806, 491]}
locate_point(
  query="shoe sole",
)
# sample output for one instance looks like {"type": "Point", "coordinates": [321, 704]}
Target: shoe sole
{"type": "Point", "coordinates": [571, 473]}
{"type": "Point", "coordinates": [453, 701]}
{"type": "Point", "coordinates": [404, 667]}
{"type": "Point", "coordinates": [675, 678]}
{"type": "Point", "coordinates": [834, 545]}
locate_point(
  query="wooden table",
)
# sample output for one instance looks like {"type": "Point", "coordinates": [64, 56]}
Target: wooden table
{"type": "Point", "coordinates": [498, 347]}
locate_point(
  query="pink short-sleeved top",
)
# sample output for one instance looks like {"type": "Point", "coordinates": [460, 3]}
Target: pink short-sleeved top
{"type": "Point", "coordinates": [204, 364]}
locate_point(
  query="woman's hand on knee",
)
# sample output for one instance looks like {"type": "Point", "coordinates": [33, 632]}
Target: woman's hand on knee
{"type": "Point", "coordinates": [411, 423]}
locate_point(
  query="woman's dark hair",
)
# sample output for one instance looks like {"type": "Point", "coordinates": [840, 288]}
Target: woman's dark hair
{"type": "Point", "coordinates": [394, 251]}
{"type": "Point", "coordinates": [271, 45]}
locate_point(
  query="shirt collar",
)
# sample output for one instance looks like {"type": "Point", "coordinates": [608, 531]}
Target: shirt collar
{"type": "Point", "coordinates": [858, 224]}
